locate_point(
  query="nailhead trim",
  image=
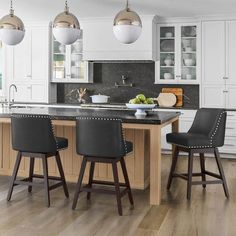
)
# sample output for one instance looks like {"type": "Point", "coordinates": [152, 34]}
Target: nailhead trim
{"type": "Point", "coordinates": [212, 136]}
{"type": "Point", "coordinates": [107, 119]}
{"type": "Point", "coordinates": [39, 117]}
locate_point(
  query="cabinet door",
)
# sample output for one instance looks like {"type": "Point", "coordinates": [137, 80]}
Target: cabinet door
{"type": "Point", "coordinates": [213, 96]}
{"type": "Point", "coordinates": [23, 93]}
{"type": "Point", "coordinates": [39, 53]}
{"type": "Point", "coordinates": [213, 52]}
{"type": "Point", "coordinates": [231, 52]}
{"type": "Point", "coordinates": [38, 93]}
{"type": "Point", "coordinates": [21, 64]}
{"type": "Point", "coordinates": [230, 97]}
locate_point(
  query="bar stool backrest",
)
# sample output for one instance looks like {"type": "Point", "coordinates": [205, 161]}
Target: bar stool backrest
{"type": "Point", "coordinates": [100, 137]}
{"type": "Point", "coordinates": [211, 123]}
{"type": "Point", "coordinates": [32, 133]}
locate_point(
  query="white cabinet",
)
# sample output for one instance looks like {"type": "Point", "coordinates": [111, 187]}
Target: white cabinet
{"type": "Point", "coordinates": [230, 134]}
{"type": "Point", "coordinates": [213, 96]}
{"type": "Point", "coordinates": [28, 66]}
{"type": "Point", "coordinates": [218, 64]}
{"type": "Point", "coordinates": [101, 44]}
{"type": "Point", "coordinates": [68, 65]}
{"type": "Point", "coordinates": [178, 49]}
{"type": "Point", "coordinates": [213, 52]}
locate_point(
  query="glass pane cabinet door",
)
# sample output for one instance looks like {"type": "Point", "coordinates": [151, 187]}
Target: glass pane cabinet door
{"type": "Point", "coordinates": [188, 52]}
{"type": "Point", "coordinates": [167, 53]}
{"type": "Point", "coordinates": [76, 62]}
{"type": "Point", "coordinates": [59, 60]}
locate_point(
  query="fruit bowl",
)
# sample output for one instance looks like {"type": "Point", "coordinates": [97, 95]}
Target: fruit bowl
{"type": "Point", "coordinates": [140, 109]}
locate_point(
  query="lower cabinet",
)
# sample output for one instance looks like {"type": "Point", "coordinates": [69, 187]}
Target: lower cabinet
{"type": "Point", "coordinates": [230, 134]}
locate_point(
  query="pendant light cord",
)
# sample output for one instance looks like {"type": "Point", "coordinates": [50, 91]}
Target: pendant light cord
{"type": "Point", "coordinates": [127, 5]}
{"type": "Point", "coordinates": [66, 7]}
{"type": "Point", "coordinates": [11, 9]}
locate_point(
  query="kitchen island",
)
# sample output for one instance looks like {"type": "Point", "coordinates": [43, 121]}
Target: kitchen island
{"type": "Point", "coordinates": [143, 164]}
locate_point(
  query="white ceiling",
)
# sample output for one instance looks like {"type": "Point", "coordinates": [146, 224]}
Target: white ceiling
{"type": "Point", "coordinates": [47, 9]}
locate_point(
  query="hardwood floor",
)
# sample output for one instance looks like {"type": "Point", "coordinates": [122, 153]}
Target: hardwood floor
{"type": "Point", "coordinates": [208, 213]}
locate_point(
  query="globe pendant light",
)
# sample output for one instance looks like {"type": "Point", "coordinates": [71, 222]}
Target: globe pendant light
{"type": "Point", "coordinates": [66, 27]}
{"type": "Point", "coordinates": [127, 26]}
{"type": "Point", "coordinates": [12, 30]}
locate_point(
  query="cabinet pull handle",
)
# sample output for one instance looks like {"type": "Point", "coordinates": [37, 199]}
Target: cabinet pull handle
{"type": "Point", "coordinates": [178, 76]}
{"type": "Point", "coordinates": [230, 128]}
{"type": "Point", "coordinates": [230, 115]}
{"type": "Point", "coordinates": [225, 77]}
{"type": "Point", "coordinates": [225, 91]}
{"type": "Point", "coordinates": [229, 145]}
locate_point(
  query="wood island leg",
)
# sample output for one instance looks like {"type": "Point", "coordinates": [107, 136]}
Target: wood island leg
{"type": "Point", "coordinates": [155, 165]}
{"type": "Point", "coordinates": [175, 129]}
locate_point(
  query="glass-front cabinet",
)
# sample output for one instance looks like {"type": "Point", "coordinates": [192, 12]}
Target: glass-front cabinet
{"type": "Point", "coordinates": [68, 65]}
{"type": "Point", "coordinates": [178, 47]}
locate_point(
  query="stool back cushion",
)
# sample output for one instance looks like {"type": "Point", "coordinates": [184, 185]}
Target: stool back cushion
{"type": "Point", "coordinates": [210, 122]}
{"type": "Point", "coordinates": [32, 133]}
{"type": "Point", "coordinates": [100, 137]}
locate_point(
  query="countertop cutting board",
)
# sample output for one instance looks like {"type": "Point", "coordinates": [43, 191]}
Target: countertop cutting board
{"type": "Point", "coordinates": [178, 92]}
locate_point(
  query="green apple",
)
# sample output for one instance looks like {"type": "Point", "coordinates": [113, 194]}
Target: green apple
{"type": "Point", "coordinates": [141, 97]}
{"type": "Point", "coordinates": [150, 101]}
{"type": "Point", "coordinates": [134, 101]}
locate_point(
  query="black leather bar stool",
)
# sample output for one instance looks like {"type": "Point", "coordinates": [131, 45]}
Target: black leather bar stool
{"type": "Point", "coordinates": [101, 140]}
{"type": "Point", "coordinates": [205, 136]}
{"type": "Point", "coordinates": [33, 137]}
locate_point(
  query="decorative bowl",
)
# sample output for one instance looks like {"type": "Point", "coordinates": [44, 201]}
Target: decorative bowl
{"type": "Point", "coordinates": [189, 62]}
{"type": "Point", "coordinates": [140, 109]}
{"type": "Point", "coordinates": [168, 76]}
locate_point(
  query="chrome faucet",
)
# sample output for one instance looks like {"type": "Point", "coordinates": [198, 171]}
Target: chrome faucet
{"type": "Point", "coordinates": [9, 94]}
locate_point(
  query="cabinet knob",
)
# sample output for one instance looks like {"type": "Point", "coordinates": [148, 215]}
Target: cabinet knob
{"type": "Point", "coordinates": [178, 76]}
{"type": "Point", "coordinates": [28, 76]}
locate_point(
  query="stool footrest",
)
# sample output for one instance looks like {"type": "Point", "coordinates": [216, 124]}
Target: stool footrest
{"type": "Point", "coordinates": [100, 182]}
{"type": "Point", "coordinates": [49, 177]}
{"type": "Point", "coordinates": [88, 189]}
{"type": "Point", "coordinates": [207, 182]}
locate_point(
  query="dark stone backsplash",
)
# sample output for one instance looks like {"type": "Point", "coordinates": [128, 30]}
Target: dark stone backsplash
{"type": "Point", "coordinates": [141, 74]}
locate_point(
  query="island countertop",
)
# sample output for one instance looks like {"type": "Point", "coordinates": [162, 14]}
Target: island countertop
{"type": "Point", "coordinates": [127, 116]}
{"type": "Point", "coordinates": [144, 163]}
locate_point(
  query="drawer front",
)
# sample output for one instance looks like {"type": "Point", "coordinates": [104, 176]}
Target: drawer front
{"type": "Point", "coordinates": [231, 115]}
{"type": "Point", "coordinates": [229, 146]}
{"type": "Point", "coordinates": [230, 130]}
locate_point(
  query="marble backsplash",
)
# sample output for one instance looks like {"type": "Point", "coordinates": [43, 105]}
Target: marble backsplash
{"type": "Point", "coordinates": [141, 74]}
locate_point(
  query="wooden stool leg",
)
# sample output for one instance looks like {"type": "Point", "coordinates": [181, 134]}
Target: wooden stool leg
{"type": "Point", "coordinates": [202, 165]}
{"type": "Point", "coordinates": [190, 172]}
{"type": "Point", "coordinates": [31, 173]}
{"type": "Point", "coordinates": [117, 187]}
{"type": "Point", "coordinates": [123, 166]}
{"type": "Point", "coordinates": [46, 184]}
{"type": "Point", "coordinates": [79, 183]}
{"type": "Point", "coordinates": [91, 173]}
{"type": "Point", "coordinates": [218, 161]}
{"type": "Point", "coordinates": [173, 166]}
{"type": "Point", "coordinates": [14, 175]}
{"type": "Point", "coordinates": [60, 169]}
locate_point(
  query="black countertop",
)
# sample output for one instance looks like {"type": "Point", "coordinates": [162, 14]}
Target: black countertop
{"type": "Point", "coordinates": [127, 116]}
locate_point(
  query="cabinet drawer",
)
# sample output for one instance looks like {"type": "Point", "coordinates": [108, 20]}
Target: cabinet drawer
{"type": "Point", "coordinates": [231, 115]}
{"type": "Point", "coordinates": [229, 146]}
{"type": "Point", "coordinates": [230, 129]}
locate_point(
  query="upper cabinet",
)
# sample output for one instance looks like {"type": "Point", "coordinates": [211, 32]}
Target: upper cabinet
{"type": "Point", "coordinates": [218, 63]}
{"type": "Point", "coordinates": [101, 44]}
{"type": "Point", "coordinates": [27, 65]}
{"type": "Point", "coordinates": [68, 65]}
{"type": "Point", "coordinates": [178, 53]}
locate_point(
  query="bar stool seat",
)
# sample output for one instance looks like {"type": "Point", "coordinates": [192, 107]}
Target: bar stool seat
{"type": "Point", "coordinates": [62, 143]}
{"type": "Point", "coordinates": [129, 146]}
{"type": "Point", "coordinates": [188, 140]}
{"type": "Point", "coordinates": [33, 137]}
